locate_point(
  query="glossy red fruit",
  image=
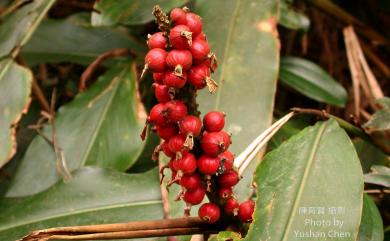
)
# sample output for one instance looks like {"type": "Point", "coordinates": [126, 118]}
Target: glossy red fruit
{"type": "Point", "coordinates": [162, 93]}
{"type": "Point", "coordinates": [225, 192]}
{"type": "Point", "coordinates": [195, 196]}
{"type": "Point", "coordinates": [231, 207]}
{"type": "Point", "coordinates": [213, 144]}
{"type": "Point", "coordinates": [158, 78]}
{"type": "Point", "coordinates": [167, 131]}
{"type": "Point", "coordinates": [209, 212]}
{"type": "Point", "coordinates": [174, 81]}
{"type": "Point", "coordinates": [167, 151]}
{"type": "Point", "coordinates": [214, 121]}
{"type": "Point", "coordinates": [180, 37]}
{"type": "Point", "coordinates": [179, 60]}
{"type": "Point", "coordinates": [208, 165]}
{"type": "Point", "coordinates": [176, 110]}
{"type": "Point", "coordinates": [201, 36]}
{"type": "Point", "coordinates": [228, 179]}
{"type": "Point", "coordinates": [199, 50]}
{"type": "Point", "coordinates": [158, 114]}
{"type": "Point", "coordinates": [155, 60]}
{"type": "Point", "coordinates": [197, 76]}
{"type": "Point", "coordinates": [227, 158]}
{"type": "Point", "coordinates": [226, 138]}
{"type": "Point", "coordinates": [157, 40]}
{"type": "Point", "coordinates": [191, 181]}
{"type": "Point", "coordinates": [194, 22]}
{"type": "Point", "coordinates": [176, 143]}
{"type": "Point", "coordinates": [190, 125]}
{"type": "Point", "coordinates": [186, 164]}
{"type": "Point", "coordinates": [178, 16]}
{"type": "Point", "coordinates": [245, 211]}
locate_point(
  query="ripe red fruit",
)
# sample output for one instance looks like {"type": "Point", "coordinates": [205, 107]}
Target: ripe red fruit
{"type": "Point", "coordinates": [199, 50]}
{"type": "Point", "coordinates": [179, 60]}
{"type": "Point", "coordinates": [201, 36]}
{"type": "Point", "coordinates": [157, 40]}
{"type": "Point", "coordinates": [186, 164]}
{"type": "Point", "coordinates": [194, 196]}
{"type": "Point", "coordinates": [176, 110]}
{"type": "Point", "coordinates": [162, 92]}
{"type": "Point", "coordinates": [213, 144]}
{"type": "Point", "coordinates": [231, 207]}
{"type": "Point", "coordinates": [228, 179]}
{"type": "Point", "coordinates": [245, 211]}
{"type": "Point", "coordinates": [227, 158]}
{"type": "Point", "coordinates": [208, 165]}
{"type": "Point", "coordinates": [209, 212]}
{"type": "Point", "coordinates": [167, 151]}
{"type": "Point", "coordinates": [174, 81]}
{"type": "Point", "coordinates": [176, 143]}
{"type": "Point", "coordinates": [166, 132]}
{"type": "Point", "coordinates": [226, 138]}
{"type": "Point", "coordinates": [194, 22]}
{"type": "Point", "coordinates": [214, 121]}
{"type": "Point", "coordinates": [225, 192]}
{"type": "Point", "coordinates": [178, 16]}
{"type": "Point", "coordinates": [180, 37]}
{"type": "Point", "coordinates": [155, 60]}
{"type": "Point", "coordinates": [197, 76]}
{"type": "Point", "coordinates": [190, 181]}
{"type": "Point", "coordinates": [158, 77]}
{"type": "Point", "coordinates": [158, 114]}
{"type": "Point", "coordinates": [190, 125]}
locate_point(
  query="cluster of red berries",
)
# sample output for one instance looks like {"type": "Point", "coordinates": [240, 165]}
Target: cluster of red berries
{"type": "Point", "coordinates": [200, 161]}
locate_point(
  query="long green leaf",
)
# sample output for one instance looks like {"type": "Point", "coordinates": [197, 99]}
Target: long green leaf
{"type": "Point", "coordinates": [243, 35]}
{"type": "Point", "coordinates": [15, 85]}
{"type": "Point", "coordinates": [99, 127]}
{"type": "Point", "coordinates": [379, 175]}
{"type": "Point", "coordinates": [312, 81]}
{"type": "Point", "coordinates": [380, 120]}
{"type": "Point", "coordinates": [313, 178]}
{"type": "Point", "coordinates": [94, 196]}
{"type": "Point", "coordinates": [371, 226]}
{"type": "Point", "coordinates": [289, 18]}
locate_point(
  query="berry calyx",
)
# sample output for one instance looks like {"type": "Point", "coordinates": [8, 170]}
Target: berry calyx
{"type": "Point", "coordinates": [179, 60]}
{"type": "Point", "coordinates": [157, 40]}
{"type": "Point", "coordinates": [214, 121]}
{"type": "Point", "coordinates": [228, 179]}
{"type": "Point", "coordinates": [180, 37]}
{"type": "Point", "coordinates": [174, 81]}
{"type": "Point", "coordinates": [245, 211]}
{"type": "Point", "coordinates": [231, 207]}
{"type": "Point", "coordinates": [167, 132]}
{"type": "Point", "coordinates": [209, 212]}
{"type": "Point", "coordinates": [225, 192]}
{"type": "Point", "coordinates": [213, 144]}
{"type": "Point", "coordinates": [190, 181]}
{"type": "Point", "coordinates": [199, 50]}
{"type": "Point", "coordinates": [194, 196]}
{"type": "Point", "coordinates": [208, 165]}
{"type": "Point", "coordinates": [194, 23]}
{"type": "Point", "coordinates": [155, 60]}
{"type": "Point", "coordinates": [176, 110]}
{"type": "Point", "coordinates": [190, 126]}
{"type": "Point", "coordinates": [178, 16]}
{"type": "Point", "coordinates": [199, 76]}
{"type": "Point", "coordinates": [163, 93]}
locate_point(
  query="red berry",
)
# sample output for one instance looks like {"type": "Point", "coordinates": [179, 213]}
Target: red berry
{"type": "Point", "coordinates": [166, 132]}
{"type": "Point", "coordinates": [245, 211]}
{"type": "Point", "coordinates": [186, 164]}
{"type": "Point", "coordinates": [167, 151]}
{"type": "Point", "coordinates": [197, 76]}
{"type": "Point", "coordinates": [209, 212]}
{"type": "Point", "coordinates": [199, 50]}
{"type": "Point", "coordinates": [155, 60]}
{"type": "Point", "coordinates": [158, 114]}
{"type": "Point", "coordinates": [228, 179]}
{"type": "Point", "coordinates": [190, 125]}
{"type": "Point", "coordinates": [180, 37]}
{"type": "Point", "coordinates": [227, 158]}
{"type": "Point", "coordinates": [226, 138]}
{"type": "Point", "coordinates": [225, 192]}
{"type": "Point", "coordinates": [157, 40]}
{"type": "Point", "coordinates": [180, 60]}
{"type": "Point", "coordinates": [158, 77]}
{"type": "Point", "coordinates": [213, 143]}
{"type": "Point", "coordinates": [178, 16]}
{"type": "Point", "coordinates": [194, 196]}
{"type": "Point", "coordinates": [176, 143]}
{"type": "Point", "coordinates": [176, 110]}
{"type": "Point", "coordinates": [208, 165]}
{"type": "Point", "coordinates": [162, 93]}
{"type": "Point", "coordinates": [201, 36]}
{"type": "Point", "coordinates": [231, 207]}
{"type": "Point", "coordinates": [214, 121]}
{"type": "Point", "coordinates": [174, 81]}
{"type": "Point", "coordinates": [194, 22]}
{"type": "Point", "coordinates": [191, 181]}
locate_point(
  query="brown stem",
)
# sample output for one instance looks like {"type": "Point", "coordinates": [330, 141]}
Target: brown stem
{"type": "Point", "coordinates": [162, 19]}
{"type": "Point", "coordinates": [38, 93]}
{"type": "Point", "coordinates": [164, 192]}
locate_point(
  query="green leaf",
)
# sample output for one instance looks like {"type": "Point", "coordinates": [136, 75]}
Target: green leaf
{"type": "Point", "coordinates": [371, 226]}
{"type": "Point", "coordinates": [312, 81]}
{"type": "Point", "coordinates": [369, 154]}
{"type": "Point", "coordinates": [15, 87]}
{"type": "Point", "coordinates": [316, 170]}
{"type": "Point", "coordinates": [17, 27]}
{"type": "Point", "coordinates": [129, 12]}
{"type": "Point", "coordinates": [244, 37]}
{"type": "Point", "coordinates": [228, 236]}
{"type": "Point", "coordinates": [71, 40]}
{"type": "Point", "coordinates": [292, 19]}
{"type": "Point", "coordinates": [379, 175]}
{"type": "Point", "coordinates": [380, 121]}
{"type": "Point", "coordinates": [94, 196]}
{"type": "Point", "coordinates": [100, 127]}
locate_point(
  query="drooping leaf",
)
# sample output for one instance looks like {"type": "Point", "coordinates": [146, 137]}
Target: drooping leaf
{"type": "Point", "coordinates": [94, 196]}
{"type": "Point", "coordinates": [243, 35]}
{"type": "Point", "coordinates": [17, 27]}
{"type": "Point", "coordinates": [15, 88]}
{"type": "Point", "coordinates": [371, 226]}
{"type": "Point", "coordinates": [379, 175]}
{"type": "Point", "coordinates": [315, 175]}
{"type": "Point", "coordinates": [292, 19]}
{"type": "Point", "coordinates": [380, 121]}
{"type": "Point", "coordinates": [369, 155]}
{"type": "Point", "coordinates": [312, 81]}
{"type": "Point", "coordinates": [71, 40]}
{"type": "Point", "coordinates": [100, 127]}
{"type": "Point", "coordinates": [129, 12]}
